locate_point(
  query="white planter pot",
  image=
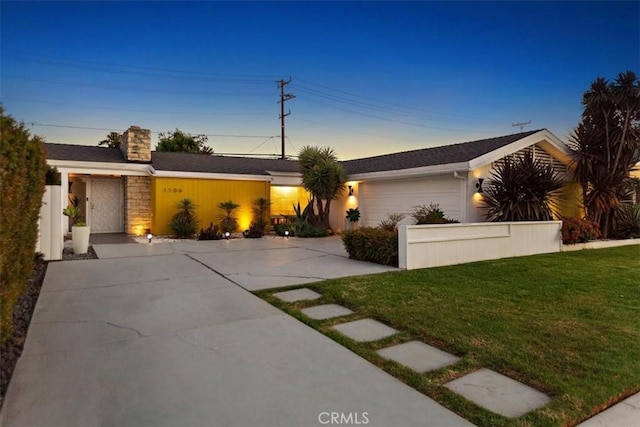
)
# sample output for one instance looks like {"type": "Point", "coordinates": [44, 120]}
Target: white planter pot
{"type": "Point", "coordinates": [80, 239]}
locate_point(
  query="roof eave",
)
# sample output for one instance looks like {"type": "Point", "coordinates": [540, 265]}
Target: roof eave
{"type": "Point", "coordinates": [412, 172]}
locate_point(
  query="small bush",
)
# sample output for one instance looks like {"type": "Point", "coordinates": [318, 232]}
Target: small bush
{"type": "Point", "coordinates": [390, 223]}
{"type": "Point", "coordinates": [185, 223]}
{"type": "Point", "coordinates": [431, 214]}
{"type": "Point", "coordinates": [302, 228]}
{"type": "Point", "coordinates": [372, 244]}
{"type": "Point", "coordinates": [210, 233]}
{"type": "Point", "coordinates": [255, 231]}
{"type": "Point", "coordinates": [576, 230]}
{"type": "Point", "coordinates": [629, 223]}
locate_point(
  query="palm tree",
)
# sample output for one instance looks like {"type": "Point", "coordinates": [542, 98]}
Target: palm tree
{"type": "Point", "coordinates": [522, 189]}
{"type": "Point", "coordinates": [324, 177]}
{"type": "Point", "coordinates": [228, 222]}
{"type": "Point", "coordinates": [606, 147]}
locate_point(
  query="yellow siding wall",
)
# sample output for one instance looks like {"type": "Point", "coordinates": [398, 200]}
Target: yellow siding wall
{"type": "Point", "coordinates": [570, 204]}
{"type": "Point", "coordinates": [283, 198]}
{"type": "Point", "coordinates": [206, 193]}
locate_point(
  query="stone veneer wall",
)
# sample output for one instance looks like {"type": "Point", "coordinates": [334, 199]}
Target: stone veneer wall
{"type": "Point", "coordinates": [135, 144]}
{"type": "Point", "coordinates": [137, 204]}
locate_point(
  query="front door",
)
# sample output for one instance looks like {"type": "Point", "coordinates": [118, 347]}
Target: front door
{"type": "Point", "coordinates": [106, 205]}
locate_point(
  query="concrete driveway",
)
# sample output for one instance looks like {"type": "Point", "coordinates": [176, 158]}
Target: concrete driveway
{"type": "Point", "coordinates": [165, 334]}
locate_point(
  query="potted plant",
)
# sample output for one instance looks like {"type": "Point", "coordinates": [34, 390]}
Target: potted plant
{"type": "Point", "coordinates": [79, 230]}
{"type": "Point", "coordinates": [353, 216]}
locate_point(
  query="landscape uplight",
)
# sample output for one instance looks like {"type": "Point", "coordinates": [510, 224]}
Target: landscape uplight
{"type": "Point", "coordinates": [227, 234]}
{"type": "Point", "coordinates": [149, 237]}
{"type": "Point", "coordinates": [286, 233]}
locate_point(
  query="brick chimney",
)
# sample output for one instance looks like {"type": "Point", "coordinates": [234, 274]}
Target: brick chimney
{"type": "Point", "coordinates": [135, 144]}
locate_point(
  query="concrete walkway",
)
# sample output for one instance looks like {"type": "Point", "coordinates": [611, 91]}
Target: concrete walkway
{"type": "Point", "coordinates": [157, 335]}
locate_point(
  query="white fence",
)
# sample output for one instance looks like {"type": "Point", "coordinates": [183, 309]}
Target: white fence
{"type": "Point", "coordinates": [50, 238]}
{"type": "Point", "coordinates": [422, 246]}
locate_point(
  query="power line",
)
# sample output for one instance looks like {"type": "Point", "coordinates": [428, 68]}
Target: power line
{"type": "Point", "coordinates": [155, 132]}
{"type": "Point", "coordinates": [132, 89]}
{"type": "Point", "coordinates": [98, 107]}
{"type": "Point", "coordinates": [137, 67]}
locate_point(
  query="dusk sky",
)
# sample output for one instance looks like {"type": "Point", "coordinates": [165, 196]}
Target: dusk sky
{"type": "Point", "coordinates": [369, 77]}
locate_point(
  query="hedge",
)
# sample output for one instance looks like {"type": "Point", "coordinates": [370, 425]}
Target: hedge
{"type": "Point", "coordinates": [22, 179]}
{"type": "Point", "coordinates": [372, 244]}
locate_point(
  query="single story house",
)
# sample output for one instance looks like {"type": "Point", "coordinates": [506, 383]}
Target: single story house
{"type": "Point", "coordinates": [133, 189]}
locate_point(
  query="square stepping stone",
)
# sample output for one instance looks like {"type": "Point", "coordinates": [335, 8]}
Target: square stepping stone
{"type": "Point", "coordinates": [418, 356]}
{"type": "Point", "coordinates": [498, 393]}
{"type": "Point", "coordinates": [297, 295]}
{"type": "Point", "coordinates": [365, 330]}
{"type": "Point", "coordinates": [326, 311]}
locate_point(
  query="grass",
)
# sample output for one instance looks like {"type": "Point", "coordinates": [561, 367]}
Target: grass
{"type": "Point", "coordinates": [566, 324]}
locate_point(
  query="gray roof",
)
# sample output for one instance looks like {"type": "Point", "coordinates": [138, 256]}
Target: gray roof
{"type": "Point", "coordinates": [442, 155]}
{"type": "Point", "coordinates": [84, 153]}
{"type": "Point", "coordinates": [185, 162]}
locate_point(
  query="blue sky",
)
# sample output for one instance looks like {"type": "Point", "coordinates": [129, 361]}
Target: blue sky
{"type": "Point", "coordinates": [369, 77]}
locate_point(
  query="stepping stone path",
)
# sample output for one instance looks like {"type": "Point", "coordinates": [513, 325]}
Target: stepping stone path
{"type": "Point", "coordinates": [484, 387]}
{"type": "Point", "coordinates": [297, 295]}
{"type": "Point", "coordinates": [418, 356]}
{"type": "Point", "coordinates": [498, 393]}
{"type": "Point", "coordinates": [327, 311]}
{"type": "Point", "coordinates": [365, 330]}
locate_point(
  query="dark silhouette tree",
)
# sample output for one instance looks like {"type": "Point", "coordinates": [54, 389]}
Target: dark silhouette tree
{"type": "Point", "coordinates": [112, 140]}
{"type": "Point", "coordinates": [178, 141]}
{"type": "Point", "coordinates": [606, 146]}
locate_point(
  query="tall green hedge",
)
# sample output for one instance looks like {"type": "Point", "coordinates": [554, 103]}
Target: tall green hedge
{"type": "Point", "coordinates": [22, 180]}
{"type": "Point", "coordinates": [372, 244]}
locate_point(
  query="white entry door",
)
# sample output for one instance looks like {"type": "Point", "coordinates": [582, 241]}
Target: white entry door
{"type": "Point", "coordinates": [106, 205]}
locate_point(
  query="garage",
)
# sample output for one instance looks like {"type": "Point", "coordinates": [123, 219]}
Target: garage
{"type": "Point", "coordinates": [380, 198]}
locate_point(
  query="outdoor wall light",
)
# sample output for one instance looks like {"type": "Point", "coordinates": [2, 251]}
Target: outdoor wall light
{"type": "Point", "coordinates": [479, 185]}
{"type": "Point", "coordinates": [351, 190]}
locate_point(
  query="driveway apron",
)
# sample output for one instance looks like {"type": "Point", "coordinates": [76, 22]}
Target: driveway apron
{"type": "Point", "coordinates": [167, 334]}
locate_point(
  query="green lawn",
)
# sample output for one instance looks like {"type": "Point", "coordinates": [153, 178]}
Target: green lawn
{"type": "Point", "coordinates": [566, 324]}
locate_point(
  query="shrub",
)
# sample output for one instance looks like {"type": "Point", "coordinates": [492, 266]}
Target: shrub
{"type": "Point", "coordinates": [260, 221]}
{"type": "Point", "coordinates": [576, 230]}
{"type": "Point", "coordinates": [302, 228]}
{"type": "Point", "coordinates": [22, 181]}
{"type": "Point", "coordinates": [210, 233]}
{"type": "Point", "coordinates": [372, 244]}
{"type": "Point", "coordinates": [431, 214]}
{"type": "Point", "coordinates": [281, 228]}
{"type": "Point", "coordinates": [228, 222]}
{"type": "Point", "coordinates": [390, 223]}
{"type": "Point", "coordinates": [255, 231]}
{"type": "Point", "coordinates": [629, 222]}
{"type": "Point", "coordinates": [185, 223]}
{"type": "Point", "coordinates": [353, 215]}
{"type": "Point", "coordinates": [522, 189]}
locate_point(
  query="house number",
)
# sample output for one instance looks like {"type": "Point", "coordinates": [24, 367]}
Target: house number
{"type": "Point", "coordinates": [172, 190]}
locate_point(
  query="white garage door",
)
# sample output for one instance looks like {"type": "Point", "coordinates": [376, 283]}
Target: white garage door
{"type": "Point", "coordinates": [380, 198]}
{"type": "Point", "coordinates": [106, 206]}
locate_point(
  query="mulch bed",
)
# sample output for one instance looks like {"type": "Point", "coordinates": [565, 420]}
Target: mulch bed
{"type": "Point", "coordinates": [11, 350]}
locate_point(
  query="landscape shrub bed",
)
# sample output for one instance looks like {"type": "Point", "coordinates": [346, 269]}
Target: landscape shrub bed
{"type": "Point", "coordinates": [576, 230]}
{"type": "Point", "coordinates": [372, 244]}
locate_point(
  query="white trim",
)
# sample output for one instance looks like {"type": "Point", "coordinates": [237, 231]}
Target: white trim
{"type": "Point", "coordinates": [101, 168]}
{"type": "Point", "coordinates": [543, 137]}
{"type": "Point", "coordinates": [208, 175]}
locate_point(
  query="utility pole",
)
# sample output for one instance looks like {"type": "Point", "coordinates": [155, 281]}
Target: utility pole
{"type": "Point", "coordinates": [521, 124]}
{"type": "Point", "coordinates": [283, 97]}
